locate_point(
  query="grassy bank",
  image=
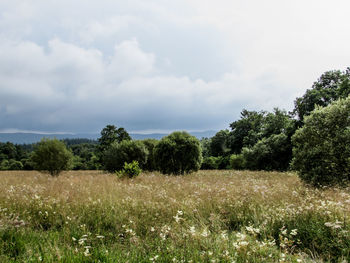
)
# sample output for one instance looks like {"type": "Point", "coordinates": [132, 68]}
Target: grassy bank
{"type": "Point", "coordinates": [209, 216]}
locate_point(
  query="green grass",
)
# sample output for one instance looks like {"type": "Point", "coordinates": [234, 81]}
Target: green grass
{"type": "Point", "coordinates": [209, 216]}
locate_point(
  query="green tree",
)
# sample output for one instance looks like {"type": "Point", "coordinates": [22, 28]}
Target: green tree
{"type": "Point", "coordinates": [51, 155]}
{"type": "Point", "coordinates": [219, 143]}
{"type": "Point", "coordinates": [331, 86]}
{"type": "Point", "coordinates": [150, 144]}
{"type": "Point", "coordinates": [15, 165]}
{"type": "Point", "coordinates": [178, 153]}
{"type": "Point", "coordinates": [205, 144]}
{"type": "Point", "coordinates": [271, 153]}
{"type": "Point", "coordinates": [322, 146]}
{"type": "Point", "coordinates": [111, 134]}
{"type": "Point", "coordinates": [246, 131]}
{"type": "Point", "coordinates": [126, 151]}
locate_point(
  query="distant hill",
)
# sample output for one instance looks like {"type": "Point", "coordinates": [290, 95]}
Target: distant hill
{"type": "Point", "coordinates": [28, 138]}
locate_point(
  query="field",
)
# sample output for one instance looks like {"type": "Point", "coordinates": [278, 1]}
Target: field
{"type": "Point", "coordinates": [209, 216]}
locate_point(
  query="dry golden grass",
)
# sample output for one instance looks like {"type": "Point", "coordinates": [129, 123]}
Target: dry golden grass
{"type": "Point", "coordinates": [222, 207]}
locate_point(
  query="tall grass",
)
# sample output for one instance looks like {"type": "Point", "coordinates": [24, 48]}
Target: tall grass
{"type": "Point", "coordinates": [209, 216]}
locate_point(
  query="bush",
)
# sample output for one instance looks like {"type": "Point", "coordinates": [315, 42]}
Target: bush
{"type": "Point", "coordinates": [15, 165]}
{"type": "Point", "coordinates": [210, 163]}
{"type": "Point", "coordinates": [178, 153]}
{"type": "Point", "coordinates": [272, 153]}
{"type": "Point", "coordinates": [322, 146]}
{"type": "Point", "coordinates": [51, 155]}
{"type": "Point", "coordinates": [130, 170]}
{"type": "Point", "coordinates": [126, 151]}
{"type": "Point", "coordinates": [150, 164]}
{"type": "Point", "coordinates": [237, 162]}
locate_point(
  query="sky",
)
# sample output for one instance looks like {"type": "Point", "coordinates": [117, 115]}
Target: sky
{"type": "Point", "coordinates": [160, 65]}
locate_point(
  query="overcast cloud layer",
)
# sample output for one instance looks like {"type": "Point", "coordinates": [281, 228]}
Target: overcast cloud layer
{"type": "Point", "coordinates": [155, 65]}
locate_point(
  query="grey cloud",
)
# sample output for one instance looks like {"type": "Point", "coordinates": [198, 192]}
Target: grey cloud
{"type": "Point", "coordinates": [148, 65]}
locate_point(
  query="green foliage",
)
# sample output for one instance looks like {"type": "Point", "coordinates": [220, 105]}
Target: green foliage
{"type": "Point", "coordinates": [4, 165]}
{"type": "Point", "coordinates": [272, 153]}
{"type": "Point", "coordinates": [237, 162]}
{"type": "Point", "coordinates": [210, 163]}
{"type": "Point", "coordinates": [15, 165]}
{"type": "Point", "coordinates": [51, 155]}
{"type": "Point", "coordinates": [331, 86]}
{"type": "Point", "coordinates": [219, 143]}
{"type": "Point", "coordinates": [246, 131]}
{"type": "Point", "coordinates": [126, 151]}
{"type": "Point", "coordinates": [178, 153]}
{"type": "Point", "coordinates": [150, 164]}
{"type": "Point", "coordinates": [213, 163]}
{"type": "Point", "coordinates": [322, 146]}
{"type": "Point", "coordinates": [263, 139]}
{"type": "Point", "coordinates": [130, 170]}
{"type": "Point", "coordinates": [85, 155]}
{"type": "Point", "coordinates": [205, 144]}
{"type": "Point", "coordinates": [111, 134]}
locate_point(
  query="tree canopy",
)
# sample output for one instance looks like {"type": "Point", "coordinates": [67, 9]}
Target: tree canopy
{"type": "Point", "coordinates": [322, 146]}
{"type": "Point", "coordinates": [51, 155]}
{"type": "Point", "coordinates": [178, 153]}
{"type": "Point", "coordinates": [331, 86]}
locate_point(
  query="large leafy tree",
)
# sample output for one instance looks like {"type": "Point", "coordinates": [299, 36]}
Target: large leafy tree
{"type": "Point", "coordinates": [178, 153]}
{"type": "Point", "coordinates": [111, 134]}
{"type": "Point", "coordinates": [126, 151]}
{"type": "Point", "coordinates": [322, 146]}
{"type": "Point", "coordinates": [246, 130]}
{"type": "Point", "coordinates": [51, 155]}
{"type": "Point", "coordinates": [331, 86]}
{"type": "Point", "coordinates": [219, 143]}
{"type": "Point", "coordinates": [264, 139]}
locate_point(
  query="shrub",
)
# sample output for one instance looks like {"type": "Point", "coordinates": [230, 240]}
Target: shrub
{"type": "Point", "coordinates": [126, 151]}
{"type": "Point", "coordinates": [178, 153]}
{"type": "Point", "coordinates": [237, 161]}
{"type": "Point", "coordinates": [322, 146]}
{"type": "Point", "coordinates": [51, 155]}
{"type": "Point", "coordinates": [15, 165]}
{"type": "Point", "coordinates": [4, 165]}
{"type": "Point", "coordinates": [130, 170]}
{"type": "Point", "coordinates": [210, 163]}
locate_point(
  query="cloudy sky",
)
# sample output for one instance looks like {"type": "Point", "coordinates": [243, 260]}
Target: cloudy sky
{"type": "Point", "coordinates": [161, 65]}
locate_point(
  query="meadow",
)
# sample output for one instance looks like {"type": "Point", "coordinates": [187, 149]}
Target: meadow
{"type": "Point", "coordinates": [208, 216]}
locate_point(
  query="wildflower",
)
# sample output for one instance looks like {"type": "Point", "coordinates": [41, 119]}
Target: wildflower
{"type": "Point", "coordinates": [154, 258]}
{"type": "Point", "coordinates": [82, 241]}
{"type": "Point", "coordinates": [224, 235]}
{"type": "Point", "coordinates": [87, 252]}
{"type": "Point", "coordinates": [193, 230]}
{"type": "Point", "coordinates": [294, 232]}
{"type": "Point", "coordinates": [205, 233]}
{"type": "Point", "coordinates": [177, 218]}
{"type": "Point", "coordinates": [152, 229]}
{"type": "Point", "coordinates": [252, 230]}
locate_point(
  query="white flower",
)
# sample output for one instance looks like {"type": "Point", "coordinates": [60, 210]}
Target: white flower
{"type": "Point", "coordinates": [205, 233]}
{"type": "Point", "coordinates": [87, 252]}
{"type": "Point", "coordinates": [294, 232]}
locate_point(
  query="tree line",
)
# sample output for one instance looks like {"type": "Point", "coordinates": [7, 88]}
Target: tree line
{"type": "Point", "coordinates": [259, 140]}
